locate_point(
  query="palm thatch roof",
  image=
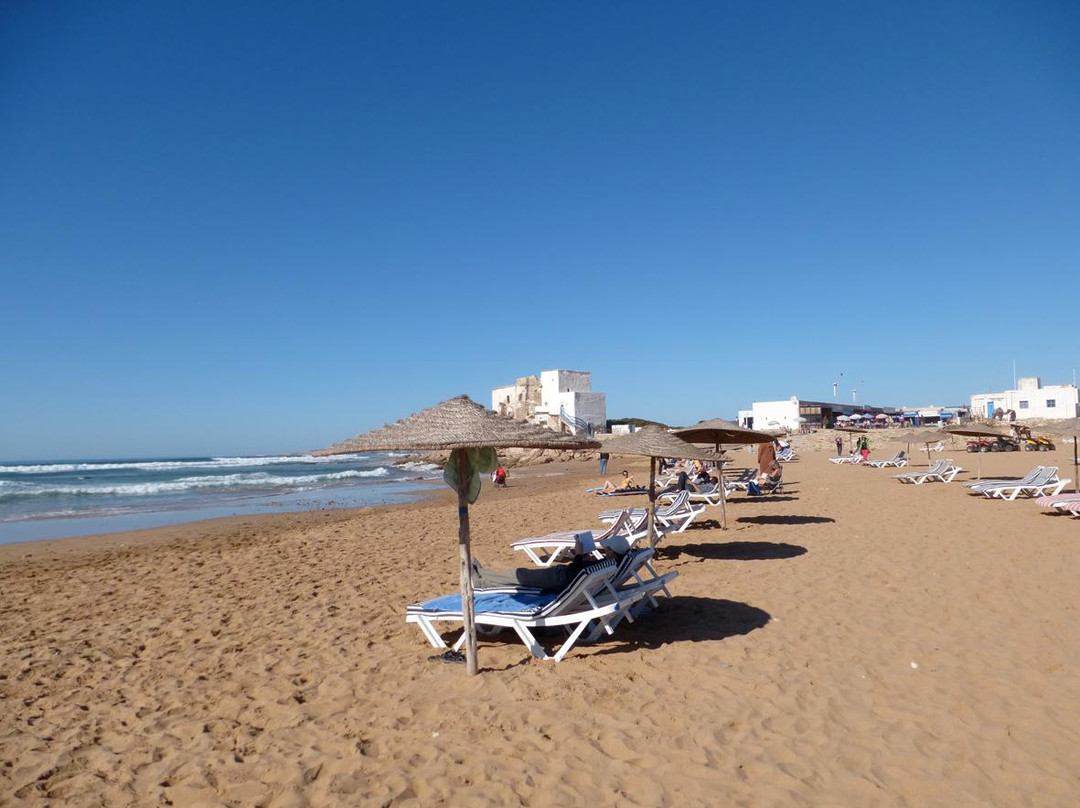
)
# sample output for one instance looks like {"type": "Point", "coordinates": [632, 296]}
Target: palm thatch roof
{"type": "Point", "coordinates": [458, 423]}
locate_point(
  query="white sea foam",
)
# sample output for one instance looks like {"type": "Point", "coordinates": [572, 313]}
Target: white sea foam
{"type": "Point", "coordinates": [12, 489]}
{"type": "Point", "coordinates": [414, 465]}
{"type": "Point", "coordinates": [175, 465]}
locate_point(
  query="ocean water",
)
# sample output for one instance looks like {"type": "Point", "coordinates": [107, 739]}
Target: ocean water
{"type": "Point", "coordinates": [56, 499]}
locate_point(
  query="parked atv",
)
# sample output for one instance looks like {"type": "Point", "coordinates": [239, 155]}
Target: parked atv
{"type": "Point", "coordinates": [1038, 445]}
{"type": "Point", "coordinates": [993, 445]}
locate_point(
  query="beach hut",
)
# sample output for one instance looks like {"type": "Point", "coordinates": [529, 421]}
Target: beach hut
{"type": "Point", "coordinates": [654, 442]}
{"type": "Point", "coordinates": [472, 434]}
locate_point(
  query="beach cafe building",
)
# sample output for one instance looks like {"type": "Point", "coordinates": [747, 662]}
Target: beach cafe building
{"type": "Point", "coordinates": [924, 416]}
{"type": "Point", "coordinates": [799, 415]}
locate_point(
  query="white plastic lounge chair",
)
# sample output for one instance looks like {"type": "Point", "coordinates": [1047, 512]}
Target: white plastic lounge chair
{"type": "Point", "coordinates": [898, 460]}
{"type": "Point", "coordinates": [1059, 502]}
{"type": "Point", "coordinates": [628, 528]}
{"type": "Point", "coordinates": [707, 494]}
{"type": "Point", "coordinates": [739, 483]}
{"type": "Point", "coordinates": [854, 457]}
{"type": "Point", "coordinates": [914, 476]}
{"type": "Point", "coordinates": [1046, 483]}
{"type": "Point", "coordinates": [680, 513]}
{"type": "Point", "coordinates": [786, 455]}
{"type": "Point", "coordinates": [977, 486]}
{"type": "Point", "coordinates": [554, 547]}
{"type": "Point", "coordinates": [598, 598]}
{"type": "Point", "coordinates": [945, 474]}
{"type": "Point", "coordinates": [677, 515]}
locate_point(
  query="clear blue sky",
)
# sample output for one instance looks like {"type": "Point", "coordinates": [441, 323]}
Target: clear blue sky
{"type": "Point", "coordinates": [255, 227]}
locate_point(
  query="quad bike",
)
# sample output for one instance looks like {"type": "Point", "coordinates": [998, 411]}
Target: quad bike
{"type": "Point", "coordinates": [1038, 445]}
{"type": "Point", "coordinates": [996, 445]}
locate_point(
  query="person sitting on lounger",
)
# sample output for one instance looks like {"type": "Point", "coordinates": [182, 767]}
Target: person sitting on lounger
{"type": "Point", "coordinates": [625, 484]}
{"type": "Point", "coordinates": [682, 483]}
{"type": "Point", "coordinates": [766, 480]}
{"type": "Point", "coordinates": [547, 579]}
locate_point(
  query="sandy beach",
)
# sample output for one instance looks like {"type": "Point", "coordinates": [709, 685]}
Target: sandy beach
{"type": "Point", "coordinates": [852, 642]}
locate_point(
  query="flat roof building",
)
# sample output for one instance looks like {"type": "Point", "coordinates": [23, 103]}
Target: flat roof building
{"type": "Point", "coordinates": [562, 400]}
{"type": "Point", "coordinates": [1030, 400]}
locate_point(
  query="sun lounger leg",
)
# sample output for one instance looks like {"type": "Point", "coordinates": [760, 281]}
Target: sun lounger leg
{"type": "Point", "coordinates": [530, 642]}
{"type": "Point", "coordinates": [430, 632]}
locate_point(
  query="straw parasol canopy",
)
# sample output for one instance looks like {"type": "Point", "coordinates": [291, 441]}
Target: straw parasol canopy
{"type": "Point", "coordinates": [719, 431]}
{"type": "Point", "coordinates": [459, 424]}
{"type": "Point", "coordinates": [976, 431]}
{"type": "Point", "coordinates": [716, 432]}
{"type": "Point", "coordinates": [925, 436]}
{"type": "Point", "coordinates": [1070, 427]}
{"type": "Point", "coordinates": [852, 431]}
{"type": "Point", "coordinates": [654, 442]}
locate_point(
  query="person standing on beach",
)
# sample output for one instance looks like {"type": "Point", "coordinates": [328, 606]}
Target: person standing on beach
{"type": "Point", "coordinates": [839, 445]}
{"type": "Point", "coordinates": [603, 463]}
{"type": "Point", "coordinates": [766, 457]}
{"type": "Point", "coordinates": [864, 448]}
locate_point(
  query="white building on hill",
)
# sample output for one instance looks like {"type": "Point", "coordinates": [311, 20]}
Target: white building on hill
{"type": "Point", "coordinates": [1030, 400]}
{"type": "Point", "coordinates": [559, 399]}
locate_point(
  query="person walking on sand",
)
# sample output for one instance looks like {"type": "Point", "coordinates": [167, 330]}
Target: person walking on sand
{"type": "Point", "coordinates": [603, 463]}
{"type": "Point", "coordinates": [839, 445]}
{"type": "Point", "coordinates": [864, 448]}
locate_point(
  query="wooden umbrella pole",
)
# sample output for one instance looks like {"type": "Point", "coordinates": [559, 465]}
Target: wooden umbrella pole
{"type": "Point", "coordinates": [723, 491]}
{"type": "Point", "coordinates": [467, 605]}
{"type": "Point", "coordinates": [1076, 468]}
{"type": "Point", "coordinates": [652, 501]}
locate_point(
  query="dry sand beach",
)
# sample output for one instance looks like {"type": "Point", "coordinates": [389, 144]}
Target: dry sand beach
{"type": "Point", "coordinates": [853, 642]}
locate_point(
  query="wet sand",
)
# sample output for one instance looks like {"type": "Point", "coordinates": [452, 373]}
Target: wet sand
{"type": "Point", "coordinates": [851, 642]}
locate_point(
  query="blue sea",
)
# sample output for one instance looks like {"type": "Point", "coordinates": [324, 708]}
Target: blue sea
{"type": "Point", "coordinates": [56, 499]}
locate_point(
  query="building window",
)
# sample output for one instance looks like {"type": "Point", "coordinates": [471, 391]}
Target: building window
{"type": "Point", "coordinates": [1051, 403]}
{"type": "Point", "coordinates": [1023, 405]}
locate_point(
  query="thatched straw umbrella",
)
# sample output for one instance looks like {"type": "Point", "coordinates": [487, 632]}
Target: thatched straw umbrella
{"type": "Point", "coordinates": [716, 432]}
{"type": "Point", "coordinates": [460, 425]}
{"type": "Point", "coordinates": [976, 431]}
{"type": "Point", "coordinates": [654, 442]}
{"type": "Point", "coordinates": [919, 436]}
{"type": "Point", "coordinates": [1070, 427]}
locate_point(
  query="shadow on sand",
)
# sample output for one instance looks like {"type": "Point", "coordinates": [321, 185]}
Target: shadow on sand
{"type": "Point", "coordinates": [785, 520]}
{"type": "Point", "coordinates": [686, 618]}
{"type": "Point", "coordinates": [787, 496]}
{"type": "Point", "coordinates": [732, 551]}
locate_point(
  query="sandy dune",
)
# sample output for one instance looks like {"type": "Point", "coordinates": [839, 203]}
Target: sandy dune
{"type": "Point", "coordinates": [853, 642]}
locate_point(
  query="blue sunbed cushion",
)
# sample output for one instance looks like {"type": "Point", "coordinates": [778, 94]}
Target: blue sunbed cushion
{"type": "Point", "coordinates": [525, 602]}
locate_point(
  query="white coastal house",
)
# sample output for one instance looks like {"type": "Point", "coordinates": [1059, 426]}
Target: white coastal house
{"type": "Point", "coordinates": [559, 399]}
{"type": "Point", "coordinates": [1030, 400]}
